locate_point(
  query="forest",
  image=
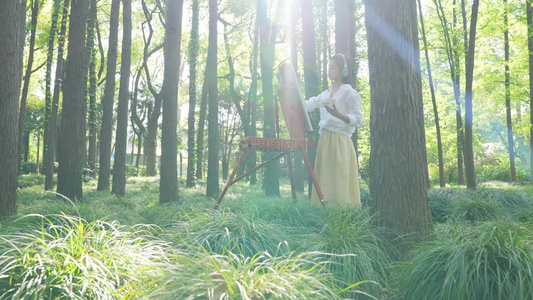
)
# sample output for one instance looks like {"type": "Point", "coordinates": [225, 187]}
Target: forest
{"type": "Point", "coordinates": [123, 125]}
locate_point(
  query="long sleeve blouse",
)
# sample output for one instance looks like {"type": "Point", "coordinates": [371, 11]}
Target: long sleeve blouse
{"type": "Point", "coordinates": [347, 101]}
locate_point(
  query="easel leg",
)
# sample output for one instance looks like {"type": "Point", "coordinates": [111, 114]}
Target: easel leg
{"type": "Point", "coordinates": [291, 175]}
{"type": "Point", "coordinates": [312, 172]}
{"type": "Point", "coordinates": [230, 179]}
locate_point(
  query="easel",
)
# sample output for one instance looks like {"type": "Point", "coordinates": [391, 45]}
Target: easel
{"type": "Point", "coordinates": [299, 126]}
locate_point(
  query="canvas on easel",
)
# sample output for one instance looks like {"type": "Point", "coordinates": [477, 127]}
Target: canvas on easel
{"type": "Point", "coordinates": [298, 124]}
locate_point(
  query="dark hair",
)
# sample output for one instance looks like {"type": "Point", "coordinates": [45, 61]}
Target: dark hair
{"type": "Point", "coordinates": [339, 60]}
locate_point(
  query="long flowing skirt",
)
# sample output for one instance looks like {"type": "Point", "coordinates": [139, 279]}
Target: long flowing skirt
{"type": "Point", "coordinates": [336, 170]}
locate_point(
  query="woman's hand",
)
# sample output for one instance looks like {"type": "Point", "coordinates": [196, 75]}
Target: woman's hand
{"type": "Point", "coordinates": [334, 112]}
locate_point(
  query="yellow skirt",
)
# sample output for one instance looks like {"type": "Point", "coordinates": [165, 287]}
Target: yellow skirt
{"type": "Point", "coordinates": [336, 170]}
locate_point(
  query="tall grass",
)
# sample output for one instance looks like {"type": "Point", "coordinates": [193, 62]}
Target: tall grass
{"type": "Point", "coordinates": [66, 257]}
{"type": "Point", "coordinates": [220, 232]}
{"type": "Point", "coordinates": [359, 251]}
{"type": "Point", "coordinates": [491, 261]}
{"type": "Point", "coordinates": [262, 276]}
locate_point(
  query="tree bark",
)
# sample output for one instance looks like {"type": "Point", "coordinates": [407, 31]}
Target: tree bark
{"type": "Point", "coordinates": [91, 156]}
{"type": "Point", "coordinates": [168, 187]}
{"type": "Point", "coordinates": [398, 182]}
{"type": "Point", "coordinates": [212, 189]}
{"type": "Point", "coordinates": [442, 178]}
{"type": "Point", "coordinates": [108, 99]}
{"type": "Point", "coordinates": [72, 137]}
{"type": "Point", "coordinates": [193, 56]}
{"type": "Point", "coordinates": [121, 140]}
{"type": "Point", "coordinates": [510, 139]}
{"type": "Point", "coordinates": [469, 146]}
{"type": "Point", "coordinates": [252, 99]}
{"type": "Point", "coordinates": [10, 75]}
{"type": "Point", "coordinates": [50, 155]}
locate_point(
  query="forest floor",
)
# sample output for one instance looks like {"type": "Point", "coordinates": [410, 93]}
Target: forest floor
{"type": "Point", "coordinates": [256, 247]}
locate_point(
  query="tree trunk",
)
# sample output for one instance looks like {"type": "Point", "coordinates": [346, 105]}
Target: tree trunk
{"type": "Point", "coordinates": [91, 157]}
{"type": "Point", "coordinates": [193, 56]}
{"type": "Point", "coordinates": [442, 179]}
{"type": "Point", "coordinates": [108, 99]}
{"type": "Point", "coordinates": [201, 129]}
{"type": "Point", "coordinates": [252, 99]}
{"type": "Point", "coordinates": [530, 48]}
{"type": "Point", "coordinates": [72, 138]}
{"type": "Point", "coordinates": [50, 155]}
{"type": "Point", "coordinates": [398, 183]}
{"type": "Point", "coordinates": [469, 146]}
{"type": "Point", "coordinates": [38, 135]}
{"type": "Point", "coordinates": [267, 36]}
{"type": "Point", "coordinates": [10, 74]}
{"type": "Point", "coordinates": [325, 43]}
{"type": "Point", "coordinates": [168, 187]}
{"type": "Point", "coordinates": [121, 140]}
{"type": "Point", "coordinates": [27, 76]}
{"type": "Point", "coordinates": [47, 143]}
{"type": "Point", "coordinates": [213, 132]}
{"type": "Point", "coordinates": [510, 139]}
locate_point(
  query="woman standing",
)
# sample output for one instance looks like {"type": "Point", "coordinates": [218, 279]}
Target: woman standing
{"type": "Point", "coordinates": [340, 113]}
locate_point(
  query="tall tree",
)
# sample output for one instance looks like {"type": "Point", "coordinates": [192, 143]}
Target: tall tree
{"type": "Point", "coordinates": [121, 139]}
{"type": "Point", "coordinates": [154, 108]}
{"type": "Point", "coordinates": [52, 127]}
{"type": "Point", "coordinates": [91, 32]}
{"type": "Point", "coordinates": [398, 182]}
{"type": "Point", "coordinates": [452, 53]}
{"type": "Point", "coordinates": [252, 100]}
{"type": "Point", "coordinates": [469, 77]}
{"type": "Point", "coordinates": [442, 179]}
{"type": "Point", "coordinates": [267, 38]}
{"type": "Point", "coordinates": [201, 129]}
{"type": "Point", "coordinates": [193, 56]}
{"type": "Point", "coordinates": [72, 138]}
{"type": "Point", "coordinates": [168, 186]}
{"type": "Point", "coordinates": [27, 76]}
{"type": "Point", "coordinates": [108, 99]}
{"type": "Point", "coordinates": [47, 143]}
{"type": "Point", "coordinates": [530, 48]}
{"type": "Point", "coordinates": [10, 74]}
{"type": "Point", "coordinates": [212, 126]}
{"type": "Point", "coordinates": [325, 42]}
{"type": "Point", "coordinates": [510, 138]}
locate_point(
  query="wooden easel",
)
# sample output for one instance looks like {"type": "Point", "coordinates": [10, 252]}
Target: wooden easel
{"type": "Point", "coordinates": [299, 126]}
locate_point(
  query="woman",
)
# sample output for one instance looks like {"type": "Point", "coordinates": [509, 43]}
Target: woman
{"type": "Point", "coordinates": [340, 113]}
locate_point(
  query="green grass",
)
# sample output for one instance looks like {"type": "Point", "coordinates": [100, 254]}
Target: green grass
{"type": "Point", "coordinates": [493, 260]}
{"type": "Point", "coordinates": [257, 247]}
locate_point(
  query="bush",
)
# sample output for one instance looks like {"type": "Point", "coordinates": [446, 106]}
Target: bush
{"type": "Point", "coordinates": [29, 167]}
{"type": "Point", "coordinates": [491, 261]}
{"type": "Point", "coordinates": [440, 204]}
{"type": "Point", "coordinates": [500, 172]}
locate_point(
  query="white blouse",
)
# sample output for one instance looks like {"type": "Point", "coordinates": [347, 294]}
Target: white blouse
{"type": "Point", "coordinates": [347, 101]}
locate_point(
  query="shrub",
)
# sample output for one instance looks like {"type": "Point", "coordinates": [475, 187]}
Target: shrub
{"type": "Point", "coordinates": [491, 261]}
{"type": "Point", "coordinates": [440, 204]}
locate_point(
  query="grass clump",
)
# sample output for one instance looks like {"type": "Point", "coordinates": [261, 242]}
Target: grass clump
{"type": "Point", "coordinates": [262, 276]}
{"type": "Point", "coordinates": [358, 251]}
{"type": "Point", "coordinates": [67, 257]}
{"type": "Point", "coordinates": [491, 261]}
{"type": "Point", "coordinates": [476, 209]}
{"type": "Point", "coordinates": [220, 232]}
